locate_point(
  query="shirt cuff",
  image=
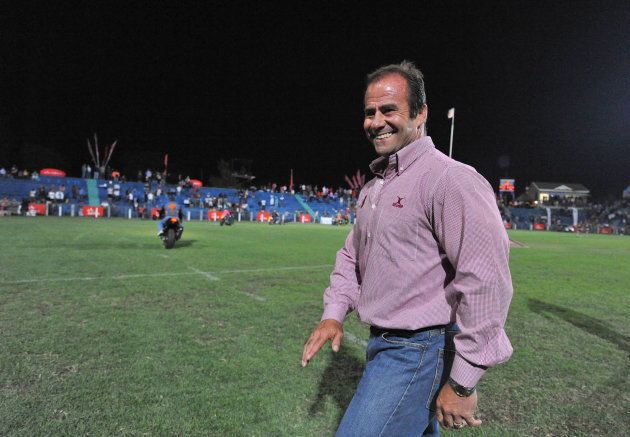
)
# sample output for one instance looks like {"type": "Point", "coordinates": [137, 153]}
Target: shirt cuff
{"type": "Point", "coordinates": [334, 312]}
{"type": "Point", "coordinates": [465, 373]}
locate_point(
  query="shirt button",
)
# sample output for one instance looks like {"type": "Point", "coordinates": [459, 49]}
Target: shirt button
{"type": "Point", "coordinates": [369, 235]}
{"type": "Point", "coordinates": [373, 205]}
{"type": "Point", "coordinates": [382, 181]}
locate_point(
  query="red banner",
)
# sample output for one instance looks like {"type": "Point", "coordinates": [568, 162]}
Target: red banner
{"type": "Point", "coordinates": [305, 218]}
{"type": "Point", "coordinates": [506, 185]}
{"type": "Point", "coordinates": [53, 172]}
{"type": "Point", "coordinates": [605, 230]}
{"type": "Point", "coordinates": [196, 183]}
{"type": "Point", "coordinates": [39, 208]}
{"type": "Point", "coordinates": [539, 227]}
{"type": "Point", "coordinates": [92, 211]}
{"type": "Point", "coordinates": [215, 215]}
{"type": "Point", "coordinates": [263, 216]}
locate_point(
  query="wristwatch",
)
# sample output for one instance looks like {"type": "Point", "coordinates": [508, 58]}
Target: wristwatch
{"type": "Point", "coordinates": [460, 390]}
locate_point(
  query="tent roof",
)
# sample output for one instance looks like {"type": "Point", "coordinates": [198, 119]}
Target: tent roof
{"type": "Point", "coordinates": [561, 187]}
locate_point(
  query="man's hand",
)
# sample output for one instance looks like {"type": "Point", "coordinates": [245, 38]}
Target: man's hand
{"type": "Point", "coordinates": [453, 411]}
{"type": "Point", "coordinates": [328, 329]}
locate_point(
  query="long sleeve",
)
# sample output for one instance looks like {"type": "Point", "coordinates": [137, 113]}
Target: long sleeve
{"type": "Point", "coordinates": [469, 229]}
{"type": "Point", "coordinates": [342, 294]}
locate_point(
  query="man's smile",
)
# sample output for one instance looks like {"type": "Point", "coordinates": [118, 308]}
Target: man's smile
{"type": "Point", "coordinates": [382, 136]}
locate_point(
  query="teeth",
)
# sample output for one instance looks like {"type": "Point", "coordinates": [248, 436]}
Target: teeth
{"type": "Point", "coordinates": [383, 136]}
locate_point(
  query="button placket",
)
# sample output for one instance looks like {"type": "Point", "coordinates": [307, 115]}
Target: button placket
{"type": "Point", "coordinates": [373, 221]}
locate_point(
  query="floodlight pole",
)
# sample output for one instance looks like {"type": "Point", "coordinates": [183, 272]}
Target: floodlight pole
{"type": "Point", "coordinates": [450, 149]}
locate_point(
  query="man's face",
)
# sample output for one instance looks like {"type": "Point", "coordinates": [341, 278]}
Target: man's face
{"type": "Point", "coordinates": [387, 123]}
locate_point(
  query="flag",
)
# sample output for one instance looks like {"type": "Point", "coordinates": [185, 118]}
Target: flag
{"type": "Point", "coordinates": [291, 182]}
{"type": "Point", "coordinates": [90, 150]}
{"type": "Point", "coordinates": [111, 150]}
{"type": "Point", "coordinates": [166, 160]}
{"type": "Point", "coordinates": [355, 181]}
{"type": "Point", "coordinates": [451, 113]}
{"type": "Point", "coordinates": [349, 181]}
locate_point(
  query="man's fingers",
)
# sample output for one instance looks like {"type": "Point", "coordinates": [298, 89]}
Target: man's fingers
{"type": "Point", "coordinates": [336, 343]}
{"type": "Point", "coordinates": [328, 329]}
{"type": "Point", "coordinates": [471, 421]}
{"type": "Point", "coordinates": [439, 416]}
{"type": "Point", "coordinates": [312, 346]}
{"type": "Point", "coordinates": [447, 421]}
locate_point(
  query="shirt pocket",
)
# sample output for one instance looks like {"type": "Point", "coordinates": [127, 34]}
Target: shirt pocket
{"type": "Point", "coordinates": [399, 237]}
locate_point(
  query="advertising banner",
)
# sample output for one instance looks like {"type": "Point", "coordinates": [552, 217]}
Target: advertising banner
{"type": "Point", "coordinates": [215, 215]}
{"type": "Point", "coordinates": [92, 211]}
{"type": "Point", "coordinates": [38, 208]}
{"type": "Point", "coordinates": [52, 172]}
{"type": "Point", "coordinates": [506, 185]}
{"type": "Point", "coordinates": [263, 216]}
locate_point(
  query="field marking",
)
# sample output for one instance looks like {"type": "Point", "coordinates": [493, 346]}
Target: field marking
{"type": "Point", "coordinates": [354, 339]}
{"type": "Point", "coordinates": [163, 256]}
{"type": "Point", "coordinates": [81, 235]}
{"type": "Point", "coordinates": [253, 296]}
{"type": "Point", "coordinates": [275, 269]}
{"type": "Point", "coordinates": [150, 275]}
{"type": "Point", "coordinates": [210, 276]}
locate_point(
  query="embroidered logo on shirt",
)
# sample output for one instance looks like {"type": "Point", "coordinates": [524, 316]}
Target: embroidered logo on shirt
{"type": "Point", "coordinates": [398, 203]}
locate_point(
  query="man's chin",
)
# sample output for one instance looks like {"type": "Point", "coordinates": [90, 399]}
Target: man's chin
{"type": "Point", "coordinates": [383, 150]}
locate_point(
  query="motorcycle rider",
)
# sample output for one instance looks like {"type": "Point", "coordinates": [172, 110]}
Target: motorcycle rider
{"type": "Point", "coordinates": [162, 221]}
{"type": "Point", "coordinates": [227, 218]}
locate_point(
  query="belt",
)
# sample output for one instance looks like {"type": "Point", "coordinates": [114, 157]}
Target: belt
{"type": "Point", "coordinates": [377, 331]}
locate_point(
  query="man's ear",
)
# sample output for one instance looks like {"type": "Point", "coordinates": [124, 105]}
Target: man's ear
{"type": "Point", "coordinates": [423, 114]}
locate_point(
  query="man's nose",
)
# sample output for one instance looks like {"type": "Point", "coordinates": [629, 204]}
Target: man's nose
{"type": "Point", "coordinates": [378, 121]}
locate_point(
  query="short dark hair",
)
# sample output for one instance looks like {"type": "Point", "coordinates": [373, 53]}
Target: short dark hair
{"type": "Point", "coordinates": [416, 96]}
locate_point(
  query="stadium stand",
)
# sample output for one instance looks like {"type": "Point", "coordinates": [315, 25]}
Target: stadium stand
{"type": "Point", "coordinates": [141, 199]}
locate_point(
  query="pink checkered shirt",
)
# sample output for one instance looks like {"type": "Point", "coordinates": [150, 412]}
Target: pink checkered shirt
{"type": "Point", "coordinates": [428, 248]}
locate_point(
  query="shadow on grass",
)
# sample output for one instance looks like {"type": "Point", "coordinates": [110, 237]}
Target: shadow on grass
{"type": "Point", "coordinates": [582, 321]}
{"type": "Point", "coordinates": [339, 382]}
{"type": "Point", "coordinates": [184, 243]}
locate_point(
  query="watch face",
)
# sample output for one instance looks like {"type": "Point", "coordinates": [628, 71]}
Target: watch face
{"type": "Point", "coordinates": [464, 391]}
{"type": "Point", "coordinates": [460, 390]}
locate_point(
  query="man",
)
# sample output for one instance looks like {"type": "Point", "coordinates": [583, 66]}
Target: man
{"type": "Point", "coordinates": [426, 266]}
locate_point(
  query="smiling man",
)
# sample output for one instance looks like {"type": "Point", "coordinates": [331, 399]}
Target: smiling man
{"type": "Point", "coordinates": [426, 266]}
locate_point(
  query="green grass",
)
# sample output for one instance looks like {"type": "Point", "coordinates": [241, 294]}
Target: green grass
{"type": "Point", "coordinates": [104, 332]}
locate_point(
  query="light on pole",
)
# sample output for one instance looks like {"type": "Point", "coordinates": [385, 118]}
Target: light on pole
{"type": "Point", "coordinates": [451, 115]}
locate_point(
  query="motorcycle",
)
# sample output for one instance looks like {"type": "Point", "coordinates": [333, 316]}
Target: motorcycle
{"type": "Point", "coordinates": [227, 220]}
{"type": "Point", "coordinates": [171, 232]}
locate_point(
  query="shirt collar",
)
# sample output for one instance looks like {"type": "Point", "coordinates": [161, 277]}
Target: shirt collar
{"type": "Point", "coordinates": [401, 160]}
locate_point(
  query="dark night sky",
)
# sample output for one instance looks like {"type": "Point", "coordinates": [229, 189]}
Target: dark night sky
{"type": "Point", "coordinates": [545, 88]}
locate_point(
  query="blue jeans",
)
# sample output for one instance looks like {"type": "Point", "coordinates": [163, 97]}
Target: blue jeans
{"type": "Point", "coordinates": [403, 375]}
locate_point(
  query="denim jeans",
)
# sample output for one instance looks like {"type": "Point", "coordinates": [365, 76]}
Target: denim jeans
{"type": "Point", "coordinates": [403, 375]}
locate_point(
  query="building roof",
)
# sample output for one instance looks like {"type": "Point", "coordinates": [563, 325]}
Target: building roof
{"type": "Point", "coordinates": [560, 187]}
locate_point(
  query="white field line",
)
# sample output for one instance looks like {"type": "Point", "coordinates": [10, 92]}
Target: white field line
{"type": "Point", "coordinates": [354, 339]}
{"type": "Point", "coordinates": [254, 296]}
{"type": "Point", "coordinates": [163, 256]}
{"type": "Point", "coordinates": [214, 278]}
{"type": "Point", "coordinates": [276, 269]}
{"type": "Point", "coordinates": [210, 276]}
{"type": "Point", "coordinates": [81, 235]}
{"type": "Point", "coordinates": [164, 274]}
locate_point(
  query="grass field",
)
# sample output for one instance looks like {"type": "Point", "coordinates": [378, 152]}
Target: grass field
{"type": "Point", "coordinates": [104, 332]}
